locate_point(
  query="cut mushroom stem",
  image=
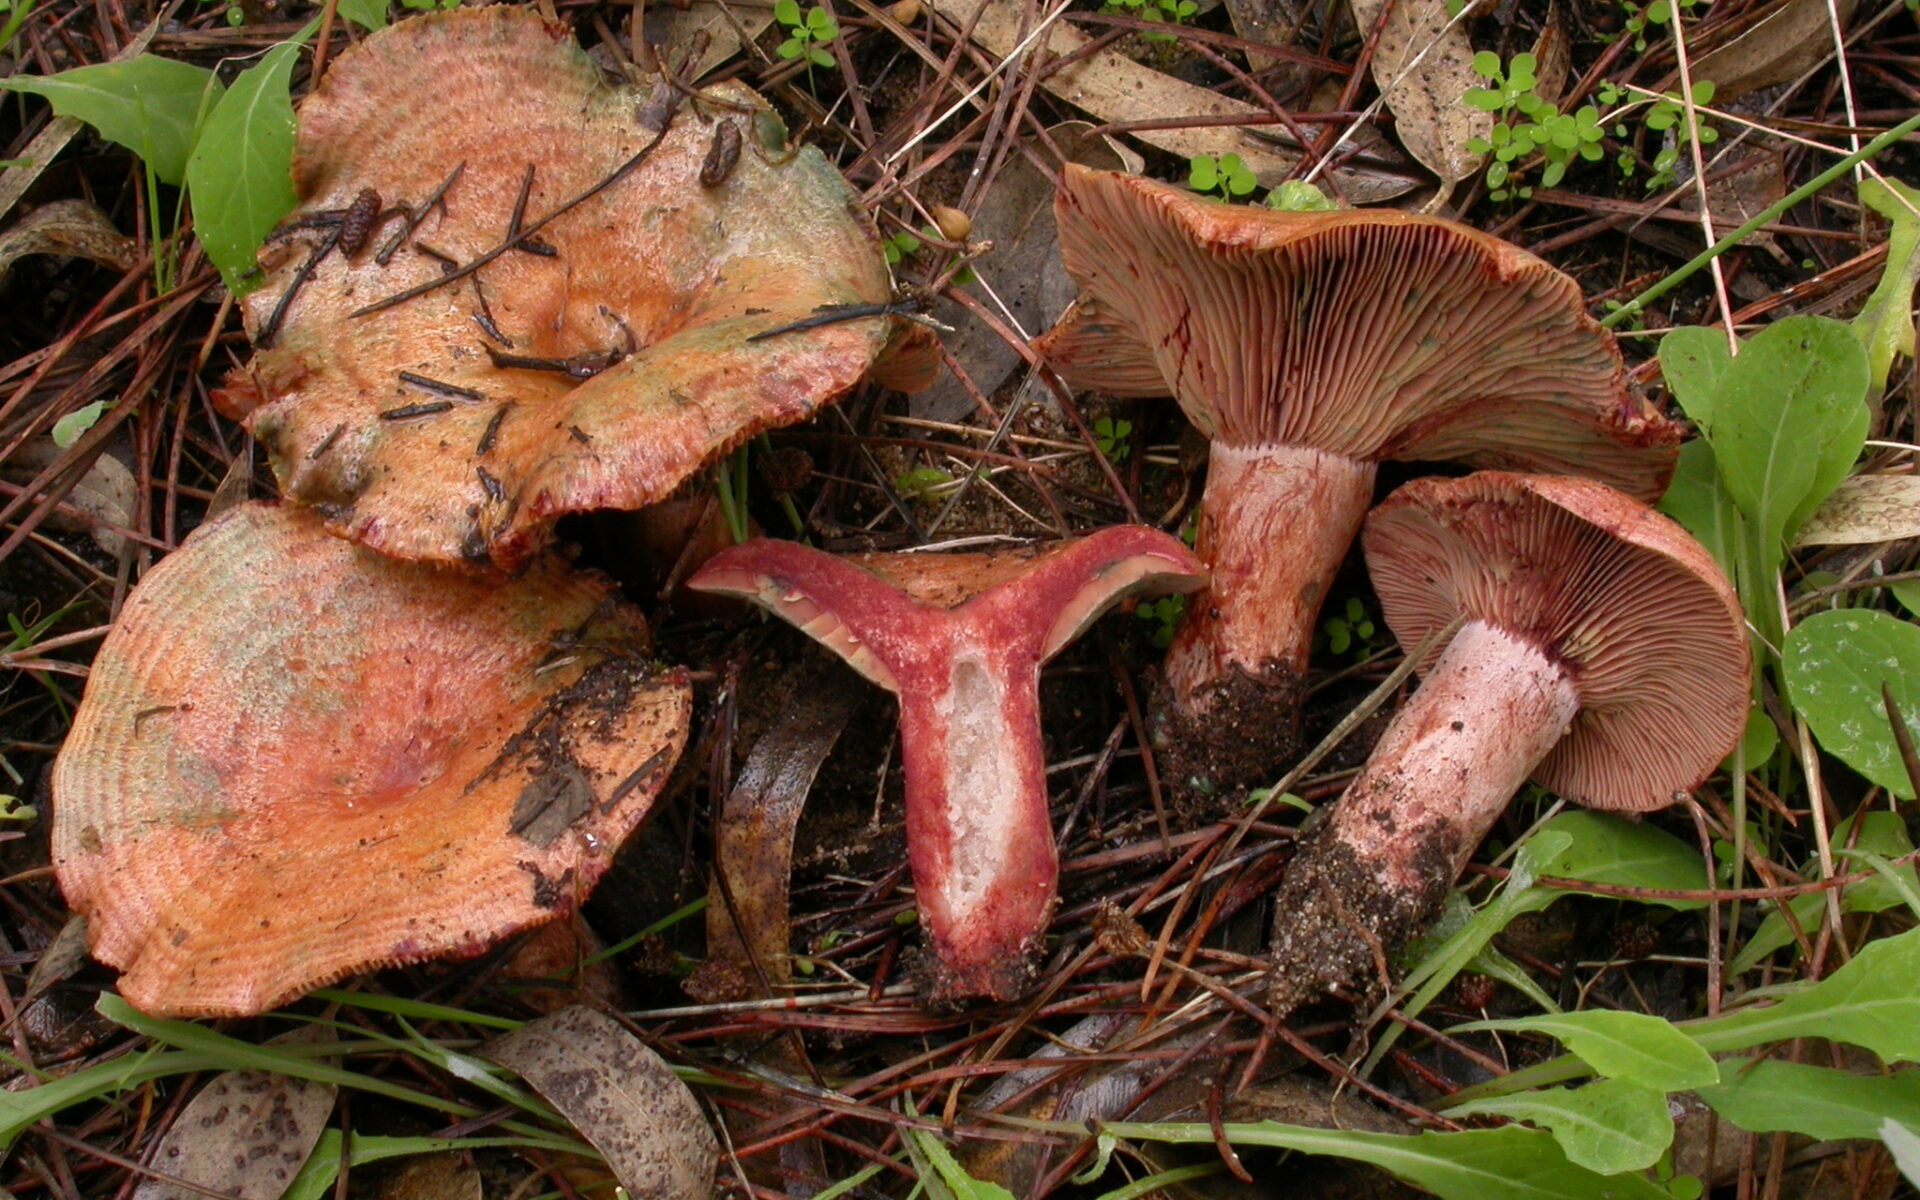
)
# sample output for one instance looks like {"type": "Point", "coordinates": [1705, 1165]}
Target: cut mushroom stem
{"type": "Point", "coordinates": [960, 639]}
{"type": "Point", "coordinates": [1600, 652]}
{"type": "Point", "coordinates": [1275, 522]}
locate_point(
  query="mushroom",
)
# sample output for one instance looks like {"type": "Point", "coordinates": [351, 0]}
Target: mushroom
{"type": "Point", "coordinates": [1308, 347]}
{"type": "Point", "coordinates": [577, 295]}
{"type": "Point", "coordinates": [1601, 652]}
{"type": "Point", "coordinates": [960, 638]}
{"type": "Point", "coordinates": [297, 759]}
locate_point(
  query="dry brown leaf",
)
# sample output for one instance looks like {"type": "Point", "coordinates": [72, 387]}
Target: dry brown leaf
{"type": "Point", "coordinates": [621, 1096]}
{"type": "Point", "coordinates": [444, 1176]}
{"type": "Point", "coordinates": [245, 1136]}
{"type": "Point", "coordinates": [1115, 89]}
{"type": "Point", "coordinates": [1863, 510]}
{"type": "Point", "coordinates": [1783, 40]}
{"type": "Point", "coordinates": [1016, 214]}
{"type": "Point", "coordinates": [105, 496]}
{"type": "Point", "coordinates": [77, 228]}
{"type": "Point", "coordinates": [747, 919]}
{"type": "Point", "coordinates": [1424, 66]}
{"type": "Point", "coordinates": [1553, 59]}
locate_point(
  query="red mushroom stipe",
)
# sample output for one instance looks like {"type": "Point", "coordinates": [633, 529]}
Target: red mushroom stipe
{"type": "Point", "coordinates": [297, 759]}
{"type": "Point", "coordinates": [960, 638]}
{"type": "Point", "coordinates": [1308, 347]}
{"type": "Point", "coordinates": [574, 296]}
{"type": "Point", "coordinates": [1601, 652]}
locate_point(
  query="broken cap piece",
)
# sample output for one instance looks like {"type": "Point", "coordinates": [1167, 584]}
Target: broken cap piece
{"type": "Point", "coordinates": [960, 638]}
{"type": "Point", "coordinates": [1601, 651]}
{"type": "Point", "coordinates": [297, 759]}
{"type": "Point", "coordinates": [597, 363]}
{"type": "Point", "coordinates": [1308, 347]}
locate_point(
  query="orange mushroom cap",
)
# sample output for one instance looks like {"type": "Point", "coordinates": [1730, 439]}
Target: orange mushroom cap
{"type": "Point", "coordinates": [297, 759]}
{"type": "Point", "coordinates": [401, 423]}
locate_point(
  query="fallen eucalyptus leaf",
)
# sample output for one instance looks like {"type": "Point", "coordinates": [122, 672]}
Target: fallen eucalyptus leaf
{"type": "Point", "coordinates": [1115, 89]}
{"type": "Point", "coordinates": [1863, 510]}
{"type": "Point", "coordinates": [1423, 63]}
{"type": "Point", "coordinates": [104, 497]}
{"type": "Point", "coordinates": [245, 1135]}
{"type": "Point", "coordinates": [1780, 42]}
{"type": "Point", "coordinates": [1016, 215]}
{"type": "Point", "coordinates": [77, 228]}
{"type": "Point", "coordinates": [622, 1098]}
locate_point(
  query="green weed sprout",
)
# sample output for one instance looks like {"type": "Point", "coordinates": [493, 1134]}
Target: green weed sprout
{"type": "Point", "coordinates": [1297, 195]}
{"type": "Point", "coordinates": [1165, 613]}
{"type": "Point", "coordinates": [1525, 123]}
{"type": "Point", "coordinates": [12, 810]}
{"type": "Point", "coordinates": [1669, 113]}
{"type": "Point", "coordinates": [1351, 630]}
{"type": "Point", "coordinates": [806, 33]}
{"type": "Point", "coordinates": [1656, 14]}
{"type": "Point", "coordinates": [1111, 436]}
{"type": "Point", "coordinates": [1173, 12]}
{"type": "Point", "coordinates": [1226, 176]}
{"type": "Point", "coordinates": [921, 482]}
{"type": "Point", "coordinates": [905, 244]}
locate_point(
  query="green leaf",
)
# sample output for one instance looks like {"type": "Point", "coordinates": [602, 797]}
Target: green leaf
{"type": "Point", "coordinates": [368, 14]}
{"type": "Point", "coordinates": [1828, 1104]}
{"type": "Point", "coordinates": [1786, 417]}
{"type": "Point", "coordinates": [793, 47]}
{"type": "Point", "coordinates": [1202, 174]}
{"type": "Point", "coordinates": [1696, 500]}
{"type": "Point", "coordinates": [1480, 1164]}
{"type": "Point", "coordinates": [1487, 64]}
{"type": "Point", "coordinates": [1835, 664]}
{"type": "Point", "coordinates": [1609, 1126]}
{"type": "Point", "coordinates": [819, 57]}
{"type": "Point", "coordinates": [1613, 850]}
{"type": "Point", "coordinates": [1870, 1002]}
{"type": "Point", "coordinates": [1622, 1045]}
{"type": "Point", "coordinates": [787, 12]}
{"type": "Point", "coordinates": [241, 173]}
{"type": "Point", "coordinates": [68, 429]}
{"type": "Point", "coordinates": [1885, 323]}
{"type": "Point", "coordinates": [317, 1176]}
{"type": "Point", "coordinates": [1907, 592]}
{"type": "Point", "coordinates": [1882, 834]}
{"type": "Point", "coordinates": [150, 105]}
{"type": "Point", "coordinates": [962, 1186]}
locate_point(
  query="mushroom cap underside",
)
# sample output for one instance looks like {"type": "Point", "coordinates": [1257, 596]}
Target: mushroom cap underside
{"type": "Point", "coordinates": [639, 305]}
{"type": "Point", "coordinates": [1370, 334]}
{"type": "Point", "coordinates": [1624, 599]}
{"type": "Point", "coordinates": [886, 614]}
{"type": "Point", "coordinates": [296, 759]}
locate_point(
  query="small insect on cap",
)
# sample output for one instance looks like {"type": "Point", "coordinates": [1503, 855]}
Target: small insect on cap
{"type": "Point", "coordinates": [1369, 334]}
{"type": "Point", "coordinates": [1622, 597]}
{"type": "Point", "coordinates": [448, 391]}
{"type": "Point", "coordinates": [297, 759]}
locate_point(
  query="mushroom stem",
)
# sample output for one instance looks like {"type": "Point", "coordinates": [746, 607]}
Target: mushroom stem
{"type": "Point", "coordinates": [1378, 867]}
{"type": "Point", "coordinates": [979, 836]}
{"type": "Point", "coordinates": [1275, 523]}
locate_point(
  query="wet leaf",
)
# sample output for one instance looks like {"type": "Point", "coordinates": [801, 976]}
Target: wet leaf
{"type": "Point", "coordinates": [1609, 1125]}
{"type": "Point", "coordinates": [1622, 1045]}
{"type": "Point", "coordinates": [1828, 1104]}
{"type": "Point", "coordinates": [1482, 1164]}
{"type": "Point", "coordinates": [1885, 322]}
{"type": "Point", "coordinates": [240, 174]}
{"type": "Point", "coordinates": [621, 1096]}
{"type": "Point", "coordinates": [1786, 418]}
{"type": "Point", "coordinates": [1869, 1002]}
{"type": "Point", "coordinates": [150, 105]}
{"type": "Point", "coordinates": [1775, 43]}
{"type": "Point", "coordinates": [1613, 850]}
{"type": "Point", "coordinates": [1424, 66]}
{"type": "Point", "coordinates": [1835, 665]}
{"type": "Point", "coordinates": [1863, 510]}
{"type": "Point", "coordinates": [245, 1135]}
{"type": "Point", "coordinates": [67, 227]}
